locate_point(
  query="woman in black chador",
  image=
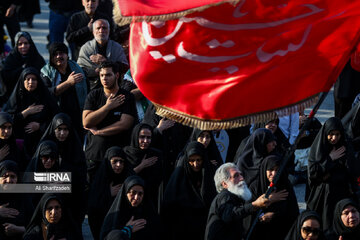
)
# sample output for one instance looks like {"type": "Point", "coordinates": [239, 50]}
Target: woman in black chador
{"type": "Point", "coordinates": [351, 122]}
{"type": "Point", "coordinates": [107, 182]}
{"type": "Point", "coordinates": [52, 220]}
{"type": "Point", "coordinates": [306, 227]}
{"type": "Point", "coordinates": [132, 209]}
{"type": "Point", "coordinates": [189, 194]}
{"type": "Point", "coordinates": [32, 107]}
{"type": "Point", "coordinates": [260, 144]}
{"type": "Point", "coordinates": [146, 161]}
{"type": "Point", "coordinates": [279, 217]}
{"type": "Point", "coordinates": [22, 56]}
{"type": "Point", "coordinates": [16, 209]}
{"type": "Point", "coordinates": [8, 147]}
{"type": "Point", "coordinates": [346, 223]}
{"type": "Point", "coordinates": [207, 139]}
{"type": "Point", "coordinates": [332, 170]}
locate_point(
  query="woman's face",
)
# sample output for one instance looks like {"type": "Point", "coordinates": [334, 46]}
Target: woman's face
{"type": "Point", "coordinates": [272, 126]}
{"type": "Point", "coordinates": [5, 131]}
{"type": "Point", "coordinates": [23, 46]}
{"type": "Point", "coordinates": [270, 146]}
{"type": "Point", "coordinates": [53, 211]}
{"type": "Point", "coordinates": [144, 138]}
{"type": "Point", "coordinates": [135, 195]}
{"type": "Point", "coordinates": [204, 138]}
{"type": "Point", "coordinates": [350, 216]}
{"type": "Point", "coordinates": [195, 162]}
{"type": "Point", "coordinates": [334, 137]}
{"type": "Point", "coordinates": [310, 229]}
{"type": "Point", "coordinates": [270, 174]}
{"type": "Point", "coordinates": [62, 132]}
{"type": "Point", "coordinates": [117, 164]}
{"type": "Point", "coordinates": [9, 178]}
{"type": "Point", "coordinates": [30, 82]}
{"type": "Point", "coordinates": [48, 161]}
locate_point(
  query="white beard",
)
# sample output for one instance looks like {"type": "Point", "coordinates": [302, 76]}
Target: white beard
{"type": "Point", "coordinates": [241, 190]}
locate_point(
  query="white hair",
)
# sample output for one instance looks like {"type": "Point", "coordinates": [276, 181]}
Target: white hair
{"type": "Point", "coordinates": [222, 174]}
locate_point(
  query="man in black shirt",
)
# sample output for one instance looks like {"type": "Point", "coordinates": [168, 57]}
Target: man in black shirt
{"type": "Point", "coordinates": [66, 81]}
{"type": "Point", "coordinates": [109, 114]}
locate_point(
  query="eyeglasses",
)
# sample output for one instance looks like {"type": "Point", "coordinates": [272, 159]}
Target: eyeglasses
{"type": "Point", "coordinates": [133, 193]}
{"type": "Point", "coordinates": [308, 230]}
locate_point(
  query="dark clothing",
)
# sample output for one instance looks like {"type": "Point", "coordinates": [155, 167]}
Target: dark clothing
{"type": "Point", "coordinates": [15, 63]}
{"type": "Point", "coordinates": [226, 216]}
{"type": "Point", "coordinates": [338, 228]}
{"type": "Point", "coordinates": [295, 231]}
{"type": "Point", "coordinates": [97, 145]}
{"type": "Point", "coordinates": [21, 99]}
{"type": "Point", "coordinates": [189, 193]}
{"type": "Point", "coordinates": [285, 212]}
{"type": "Point", "coordinates": [78, 31]}
{"type": "Point", "coordinates": [64, 5]}
{"type": "Point", "coordinates": [121, 211]}
{"type": "Point", "coordinates": [100, 199]}
{"type": "Point", "coordinates": [64, 229]}
{"type": "Point", "coordinates": [152, 175]}
{"type": "Point", "coordinates": [254, 152]}
{"type": "Point", "coordinates": [330, 180]}
{"type": "Point", "coordinates": [345, 90]}
{"type": "Point", "coordinates": [171, 141]}
{"type": "Point", "coordinates": [313, 129]}
{"type": "Point", "coordinates": [351, 122]}
{"type": "Point", "coordinates": [236, 135]}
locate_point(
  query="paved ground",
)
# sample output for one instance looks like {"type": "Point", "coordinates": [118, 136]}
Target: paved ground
{"type": "Point", "coordinates": [39, 33]}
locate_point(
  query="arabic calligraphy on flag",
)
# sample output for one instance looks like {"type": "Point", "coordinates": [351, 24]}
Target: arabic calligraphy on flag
{"type": "Point", "coordinates": [233, 64]}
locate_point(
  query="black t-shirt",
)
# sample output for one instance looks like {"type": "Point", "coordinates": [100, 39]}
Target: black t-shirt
{"type": "Point", "coordinates": [97, 145]}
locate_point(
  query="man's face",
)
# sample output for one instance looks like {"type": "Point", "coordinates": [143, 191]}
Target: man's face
{"type": "Point", "coordinates": [101, 31]}
{"type": "Point", "coordinates": [59, 59]}
{"type": "Point", "coordinates": [108, 78]}
{"type": "Point", "coordinates": [90, 6]}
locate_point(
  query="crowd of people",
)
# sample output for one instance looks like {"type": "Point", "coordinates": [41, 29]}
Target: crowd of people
{"type": "Point", "coordinates": [139, 176]}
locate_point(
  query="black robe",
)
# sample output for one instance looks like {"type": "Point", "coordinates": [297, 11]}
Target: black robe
{"type": "Point", "coordinates": [15, 153]}
{"type": "Point", "coordinates": [188, 196]}
{"type": "Point", "coordinates": [295, 231]}
{"type": "Point", "coordinates": [100, 198]}
{"type": "Point", "coordinates": [15, 63]}
{"type": "Point", "coordinates": [121, 211]}
{"type": "Point", "coordinates": [255, 150]}
{"type": "Point", "coordinates": [351, 122]}
{"type": "Point", "coordinates": [211, 150]}
{"type": "Point", "coordinates": [226, 215]}
{"type": "Point", "coordinates": [66, 228]}
{"type": "Point", "coordinates": [285, 212]}
{"type": "Point", "coordinates": [171, 141]}
{"type": "Point", "coordinates": [17, 201]}
{"type": "Point", "coordinates": [338, 228]}
{"type": "Point", "coordinates": [330, 181]}
{"type": "Point", "coordinates": [21, 99]}
{"type": "Point", "coordinates": [152, 175]}
{"type": "Point", "coordinates": [71, 158]}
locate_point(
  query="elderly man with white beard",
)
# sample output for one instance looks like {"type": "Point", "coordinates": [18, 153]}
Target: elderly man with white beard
{"type": "Point", "coordinates": [231, 206]}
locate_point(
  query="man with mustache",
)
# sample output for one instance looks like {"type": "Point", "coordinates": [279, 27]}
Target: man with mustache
{"type": "Point", "coordinates": [66, 81]}
{"type": "Point", "coordinates": [231, 206]}
{"type": "Point", "coordinates": [98, 50]}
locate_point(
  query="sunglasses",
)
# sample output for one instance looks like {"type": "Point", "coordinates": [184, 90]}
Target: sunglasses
{"type": "Point", "coordinates": [308, 230]}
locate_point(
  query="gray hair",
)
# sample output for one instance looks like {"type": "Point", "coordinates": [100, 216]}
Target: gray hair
{"type": "Point", "coordinates": [101, 20]}
{"type": "Point", "coordinates": [222, 174]}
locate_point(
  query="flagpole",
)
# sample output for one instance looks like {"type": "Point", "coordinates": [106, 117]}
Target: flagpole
{"type": "Point", "coordinates": [286, 159]}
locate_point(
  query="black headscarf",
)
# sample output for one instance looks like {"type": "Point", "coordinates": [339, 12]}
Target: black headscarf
{"type": "Point", "coordinates": [45, 148]}
{"type": "Point", "coordinates": [65, 228]}
{"type": "Point", "coordinates": [295, 231]}
{"type": "Point", "coordinates": [351, 122]}
{"type": "Point", "coordinates": [14, 62]}
{"type": "Point", "coordinates": [254, 152]}
{"type": "Point", "coordinates": [100, 194]}
{"type": "Point", "coordinates": [339, 229]}
{"type": "Point", "coordinates": [8, 166]}
{"type": "Point", "coordinates": [121, 211]}
{"type": "Point", "coordinates": [212, 150]}
{"type": "Point", "coordinates": [11, 141]}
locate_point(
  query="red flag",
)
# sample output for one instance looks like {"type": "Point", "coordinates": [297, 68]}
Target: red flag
{"type": "Point", "coordinates": [230, 65]}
